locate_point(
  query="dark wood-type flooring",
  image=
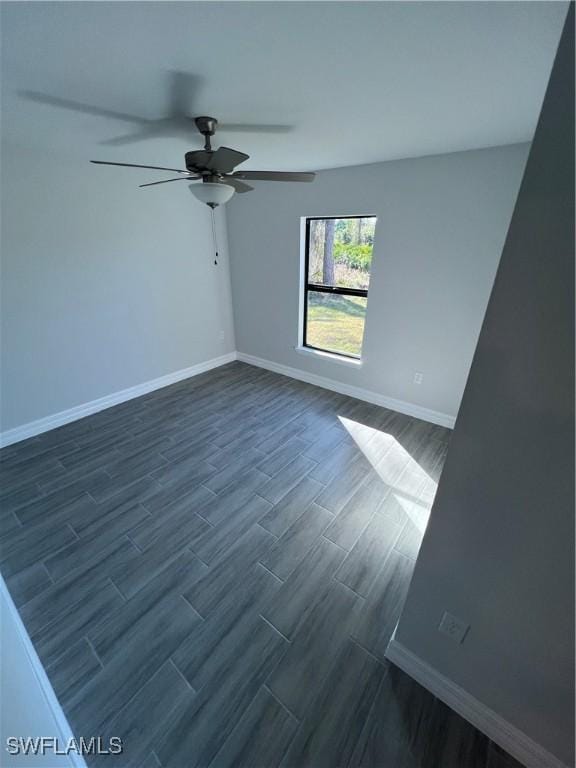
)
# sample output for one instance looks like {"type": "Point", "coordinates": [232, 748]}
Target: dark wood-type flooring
{"type": "Point", "coordinates": [213, 571]}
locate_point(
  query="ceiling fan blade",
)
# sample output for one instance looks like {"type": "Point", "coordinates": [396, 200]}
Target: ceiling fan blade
{"type": "Point", "coordinates": [198, 159]}
{"type": "Point", "coordinates": [132, 165]}
{"type": "Point", "coordinates": [225, 160]}
{"type": "Point", "coordinates": [275, 176]}
{"type": "Point", "coordinates": [178, 178]}
{"type": "Point", "coordinates": [78, 106]}
{"type": "Point", "coordinates": [238, 185]}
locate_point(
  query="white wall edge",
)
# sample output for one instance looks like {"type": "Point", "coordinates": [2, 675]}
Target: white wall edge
{"type": "Point", "coordinates": [500, 731]}
{"type": "Point", "coordinates": [410, 409]}
{"type": "Point", "coordinates": [47, 423]}
{"type": "Point", "coordinates": [64, 734]}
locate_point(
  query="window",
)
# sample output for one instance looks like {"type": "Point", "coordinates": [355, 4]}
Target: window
{"type": "Point", "coordinates": [338, 256]}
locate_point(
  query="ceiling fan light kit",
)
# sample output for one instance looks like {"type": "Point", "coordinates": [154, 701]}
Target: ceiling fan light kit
{"type": "Point", "coordinates": [212, 193]}
{"type": "Point", "coordinates": [214, 169]}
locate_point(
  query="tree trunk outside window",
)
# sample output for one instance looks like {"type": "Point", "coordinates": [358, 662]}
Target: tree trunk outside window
{"type": "Point", "coordinates": [328, 261]}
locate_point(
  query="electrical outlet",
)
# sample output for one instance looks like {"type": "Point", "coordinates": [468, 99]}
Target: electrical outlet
{"type": "Point", "coordinates": [222, 335]}
{"type": "Point", "coordinates": [453, 627]}
{"type": "Point", "coordinates": [418, 377]}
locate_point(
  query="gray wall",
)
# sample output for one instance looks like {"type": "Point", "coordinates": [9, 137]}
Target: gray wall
{"type": "Point", "coordinates": [499, 549]}
{"type": "Point", "coordinates": [29, 705]}
{"type": "Point", "coordinates": [104, 285]}
{"type": "Point", "coordinates": [442, 221]}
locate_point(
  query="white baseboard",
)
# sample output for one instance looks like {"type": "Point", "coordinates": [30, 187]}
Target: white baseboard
{"type": "Point", "coordinates": [34, 689]}
{"type": "Point", "coordinates": [500, 731]}
{"type": "Point", "coordinates": [410, 409]}
{"type": "Point", "coordinates": [79, 411]}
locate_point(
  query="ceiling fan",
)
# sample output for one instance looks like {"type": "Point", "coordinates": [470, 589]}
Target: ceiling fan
{"type": "Point", "coordinates": [215, 169]}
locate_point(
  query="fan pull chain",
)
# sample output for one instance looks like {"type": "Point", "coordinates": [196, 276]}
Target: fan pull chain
{"type": "Point", "coordinates": [214, 236]}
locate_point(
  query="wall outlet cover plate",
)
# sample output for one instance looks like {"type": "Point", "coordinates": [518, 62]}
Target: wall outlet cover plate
{"type": "Point", "coordinates": [454, 627]}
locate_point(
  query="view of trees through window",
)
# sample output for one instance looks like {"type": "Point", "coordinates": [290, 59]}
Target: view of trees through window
{"type": "Point", "coordinates": [338, 261]}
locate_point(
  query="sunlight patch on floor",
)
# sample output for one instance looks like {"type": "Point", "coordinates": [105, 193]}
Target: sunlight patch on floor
{"type": "Point", "coordinates": [411, 485]}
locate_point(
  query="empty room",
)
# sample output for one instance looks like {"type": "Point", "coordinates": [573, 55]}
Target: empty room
{"type": "Point", "coordinates": [287, 451]}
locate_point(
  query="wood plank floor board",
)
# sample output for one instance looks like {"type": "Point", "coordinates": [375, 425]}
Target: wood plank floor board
{"type": "Point", "coordinates": [335, 462]}
{"type": "Point", "coordinates": [163, 496]}
{"type": "Point", "coordinates": [328, 737]}
{"type": "Point", "coordinates": [249, 744]}
{"type": "Point", "coordinates": [428, 733]}
{"type": "Point", "coordinates": [200, 449]}
{"type": "Point", "coordinates": [382, 740]}
{"type": "Point", "coordinates": [291, 505]}
{"type": "Point", "coordinates": [93, 519]}
{"type": "Point", "coordinates": [130, 622]}
{"type": "Point", "coordinates": [178, 517]}
{"type": "Point", "coordinates": [28, 583]}
{"type": "Point", "coordinates": [324, 441]}
{"type": "Point", "coordinates": [297, 540]}
{"type": "Point", "coordinates": [95, 706]}
{"type": "Point", "coordinates": [151, 761]}
{"type": "Point", "coordinates": [277, 487]}
{"type": "Point", "coordinates": [149, 444]}
{"type": "Point", "coordinates": [77, 622]}
{"type": "Point", "coordinates": [335, 496]}
{"type": "Point", "coordinates": [113, 434]}
{"type": "Point", "coordinates": [224, 504]}
{"type": "Point", "coordinates": [361, 566]}
{"type": "Point", "coordinates": [212, 647]}
{"type": "Point", "coordinates": [106, 488]}
{"type": "Point", "coordinates": [375, 445]}
{"type": "Point", "coordinates": [146, 716]}
{"type": "Point", "coordinates": [88, 548]}
{"type": "Point", "coordinates": [199, 730]}
{"type": "Point", "coordinates": [358, 511]}
{"type": "Point", "coordinates": [230, 431]}
{"type": "Point", "coordinates": [204, 429]}
{"type": "Point", "coordinates": [33, 450]}
{"type": "Point", "coordinates": [15, 497]}
{"type": "Point", "coordinates": [315, 649]}
{"type": "Point", "coordinates": [279, 437]}
{"type": "Point", "coordinates": [137, 465]}
{"type": "Point", "coordinates": [409, 541]}
{"type": "Point", "coordinates": [8, 523]}
{"type": "Point", "coordinates": [49, 505]}
{"type": "Point", "coordinates": [234, 470]}
{"type": "Point", "coordinates": [283, 455]}
{"type": "Point", "coordinates": [213, 542]}
{"type": "Point", "coordinates": [93, 456]}
{"type": "Point", "coordinates": [76, 586]}
{"type": "Point", "coordinates": [76, 666]}
{"type": "Point", "coordinates": [166, 472]}
{"type": "Point", "coordinates": [383, 605]}
{"type": "Point", "coordinates": [230, 452]}
{"type": "Point", "coordinates": [21, 547]}
{"type": "Point", "coordinates": [209, 592]}
{"type": "Point", "coordinates": [315, 422]}
{"type": "Point", "coordinates": [131, 576]}
{"type": "Point", "coordinates": [305, 588]}
{"type": "Point", "coordinates": [28, 470]}
{"type": "Point", "coordinates": [87, 478]}
{"type": "Point", "coordinates": [171, 558]}
{"type": "Point", "coordinates": [394, 508]}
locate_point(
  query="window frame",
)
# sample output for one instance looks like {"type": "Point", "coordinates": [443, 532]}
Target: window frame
{"type": "Point", "coordinates": [321, 288]}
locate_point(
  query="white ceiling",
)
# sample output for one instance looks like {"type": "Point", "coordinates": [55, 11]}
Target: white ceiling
{"type": "Point", "coordinates": [342, 83]}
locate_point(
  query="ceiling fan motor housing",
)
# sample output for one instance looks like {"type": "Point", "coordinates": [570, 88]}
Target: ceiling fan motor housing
{"type": "Point", "coordinates": [206, 125]}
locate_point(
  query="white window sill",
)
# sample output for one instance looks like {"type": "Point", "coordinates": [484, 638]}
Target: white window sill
{"type": "Point", "coordinates": [329, 356]}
